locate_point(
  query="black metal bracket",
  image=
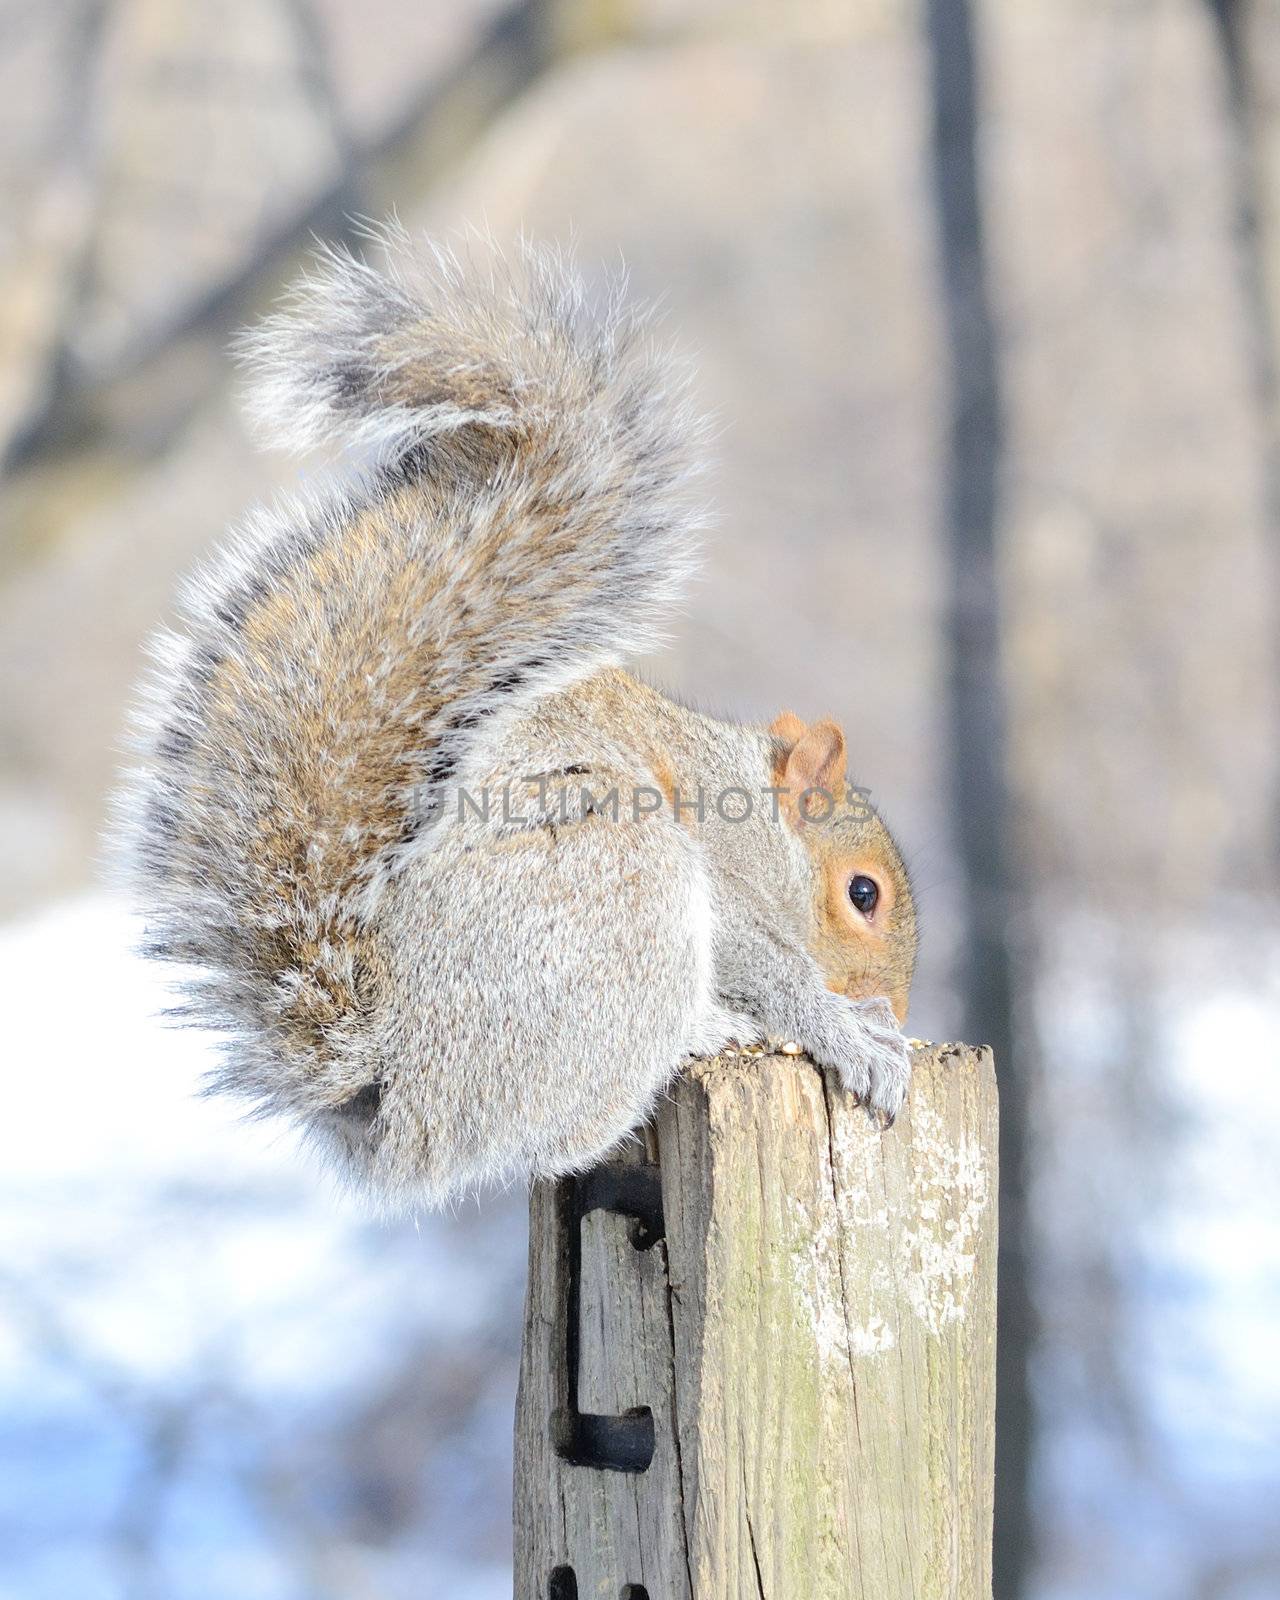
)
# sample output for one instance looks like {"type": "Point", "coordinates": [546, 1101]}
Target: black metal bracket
{"type": "Point", "coordinates": [620, 1443]}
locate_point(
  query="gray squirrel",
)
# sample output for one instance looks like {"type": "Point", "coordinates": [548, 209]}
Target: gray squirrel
{"type": "Point", "coordinates": [462, 894]}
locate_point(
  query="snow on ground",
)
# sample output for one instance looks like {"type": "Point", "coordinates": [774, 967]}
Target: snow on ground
{"type": "Point", "coordinates": [194, 1322]}
{"type": "Point", "coordinates": [1160, 1269]}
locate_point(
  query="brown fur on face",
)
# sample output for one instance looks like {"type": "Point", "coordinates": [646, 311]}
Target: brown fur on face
{"type": "Point", "coordinates": [863, 957]}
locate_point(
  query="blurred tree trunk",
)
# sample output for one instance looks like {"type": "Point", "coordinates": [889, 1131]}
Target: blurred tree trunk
{"type": "Point", "coordinates": [1249, 38]}
{"type": "Point", "coordinates": [978, 759]}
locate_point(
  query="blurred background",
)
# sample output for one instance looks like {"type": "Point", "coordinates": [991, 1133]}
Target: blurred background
{"type": "Point", "coordinates": [986, 297]}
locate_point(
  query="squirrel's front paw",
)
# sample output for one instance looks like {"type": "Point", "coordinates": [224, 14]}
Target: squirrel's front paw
{"type": "Point", "coordinates": [875, 1059]}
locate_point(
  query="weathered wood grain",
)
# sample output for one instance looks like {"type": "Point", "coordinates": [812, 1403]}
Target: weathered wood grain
{"type": "Point", "coordinates": [814, 1336]}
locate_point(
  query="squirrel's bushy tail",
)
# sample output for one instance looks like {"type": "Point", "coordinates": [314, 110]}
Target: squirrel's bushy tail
{"type": "Point", "coordinates": [542, 429]}
{"type": "Point", "coordinates": [526, 521]}
{"type": "Point", "coordinates": [434, 340]}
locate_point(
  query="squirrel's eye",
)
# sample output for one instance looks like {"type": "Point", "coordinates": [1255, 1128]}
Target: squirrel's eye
{"type": "Point", "coordinates": [864, 892]}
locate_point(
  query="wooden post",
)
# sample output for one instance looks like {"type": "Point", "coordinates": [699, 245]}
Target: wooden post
{"type": "Point", "coordinates": [759, 1348]}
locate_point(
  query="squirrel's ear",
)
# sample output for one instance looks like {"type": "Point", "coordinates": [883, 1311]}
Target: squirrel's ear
{"type": "Point", "coordinates": [787, 730]}
{"type": "Point", "coordinates": [788, 727]}
{"type": "Point", "coordinates": [816, 761]}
